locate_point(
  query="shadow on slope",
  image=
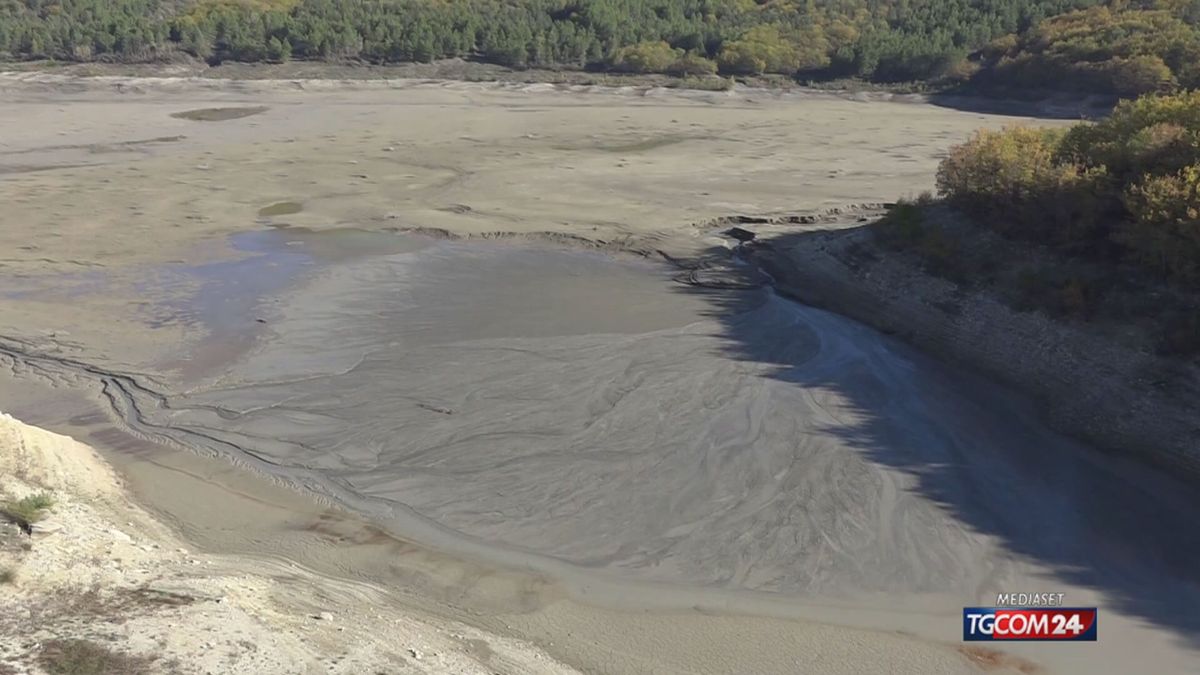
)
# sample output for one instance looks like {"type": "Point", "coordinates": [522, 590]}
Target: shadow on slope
{"type": "Point", "coordinates": [1043, 104]}
{"type": "Point", "coordinates": [979, 452]}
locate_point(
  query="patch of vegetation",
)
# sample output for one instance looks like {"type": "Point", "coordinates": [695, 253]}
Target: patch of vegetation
{"type": "Point", "coordinates": [643, 145]}
{"type": "Point", "coordinates": [1126, 188]}
{"type": "Point", "coordinates": [661, 57]}
{"type": "Point", "coordinates": [218, 114]}
{"type": "Point", "coordinates": [84, 657]}
{"type": "Point", "coordinates": [281, 209]}
{"type": "Point", "coordinates": [701, 83]}
{"type": "Point", "coordinates": [1122, 49]}
{"type": "Point", "coordinates": [906, 228]}
{"type": "Point", "coordinates": [153, 597]}
{"type": "Point", "coordinates": [1104, 218]}
{"type": "Point", "coordinates": [903, 226]}
{"type": "Point", "coordinates": [30, 509]}
{"type": "Point", "coordinates": [7, 575]}
{"type": "Point", "coordinates": [1059, 291]}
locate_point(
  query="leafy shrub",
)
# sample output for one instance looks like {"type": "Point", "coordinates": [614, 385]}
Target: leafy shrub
{"type": "Point", "coordinates": [1057, 291]}
{"type": "Point", "coordinates": [761, 50]}
{"type": "Point", "coordinates": [1140, 74]}
{"type": "Point", "coordinates": [1153, 134]}
{"type": "Point", "coordinates": [646, 57]}
{"type": "Point", "coordinates": [692, 64]}
{"type": "Point", "coordinates": [1128, 185]}
{"type": "Point", "coordinates": [1014, 179]}
{"type": "Point", "coordinates": [1164, 231]}
{"type": "Point", "coordinates": [904, 227]}
{"type": "Point", "coordinates": [29, 509]}
{"type": "Point", "coordinates": [1125, 51]}
{"type": "Point", "coordinates": [943, 256]}
{"type": "Point", "coordinates": [660, 57]}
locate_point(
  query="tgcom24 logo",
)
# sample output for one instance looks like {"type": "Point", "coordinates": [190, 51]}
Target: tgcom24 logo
{"type": "Point", "coordinates": [1078, 624]}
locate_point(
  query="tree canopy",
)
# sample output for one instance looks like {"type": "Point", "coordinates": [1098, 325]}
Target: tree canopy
{"type": "Point", "coordinates": [1083, 44]}
{"type": "Point", "coordinates": [1122, 51]}
{"type": "Point", "coordinates": [1127, 186]}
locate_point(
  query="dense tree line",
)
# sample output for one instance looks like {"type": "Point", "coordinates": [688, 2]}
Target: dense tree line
{"type": "Point", "coordinates": [1093, 45]}
{"type": "Point", "coordinates": [1127, 187]}
{"type": "Point", "coordinates": [1128, 51]}
{"type": "Point", "coordinates": [880, 39]}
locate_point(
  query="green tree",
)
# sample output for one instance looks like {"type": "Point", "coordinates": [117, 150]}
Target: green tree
{"type": "Point", "coordinates": [761, 50]}
{"type": "Point", "coordinates": [692, 64]}
{"type": "Point", "coordinates": [1127, 185]}
{"type": "Point", "coordinates": [646, 57]}
{"type": "Point", "coordinates": [1016, 181]}
{"type": "Point", "coordinates": [1164, 230]}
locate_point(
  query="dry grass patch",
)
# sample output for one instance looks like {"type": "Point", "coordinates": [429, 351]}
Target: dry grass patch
{"type": "Point", "coordinates": [27, 510]}
{"type": "Point", "coordinates": [83, 657]}
{"type": "Point", "coordinates": [281, 209]}
{"type": "Point", "coordinates": [219, 114]}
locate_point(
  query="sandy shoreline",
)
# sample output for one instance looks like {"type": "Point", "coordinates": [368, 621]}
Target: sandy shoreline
{"type": "Point", "coordinates": [114, 198]}
{"type": "Point", "coordinates": [98, 568]}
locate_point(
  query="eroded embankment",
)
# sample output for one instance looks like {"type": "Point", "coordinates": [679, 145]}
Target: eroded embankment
{"type": "Point", "coordinates": [1114, 396]}
{"type": "Point", "coordinates": [98, 585]}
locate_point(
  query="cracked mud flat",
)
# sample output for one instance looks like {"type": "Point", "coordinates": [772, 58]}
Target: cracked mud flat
{"type": "Point", "coordinates": [682, 456]}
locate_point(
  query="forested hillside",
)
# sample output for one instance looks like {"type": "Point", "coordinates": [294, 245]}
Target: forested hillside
{"type": "Point", "coordinates": [1123, 51]}
{"type": "Point", "coordinates": [1100, 220]}
{"type": "Point", "coordinates": [1115, 47]}
{"type": "Point", "coordinates": [1125, 187]}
